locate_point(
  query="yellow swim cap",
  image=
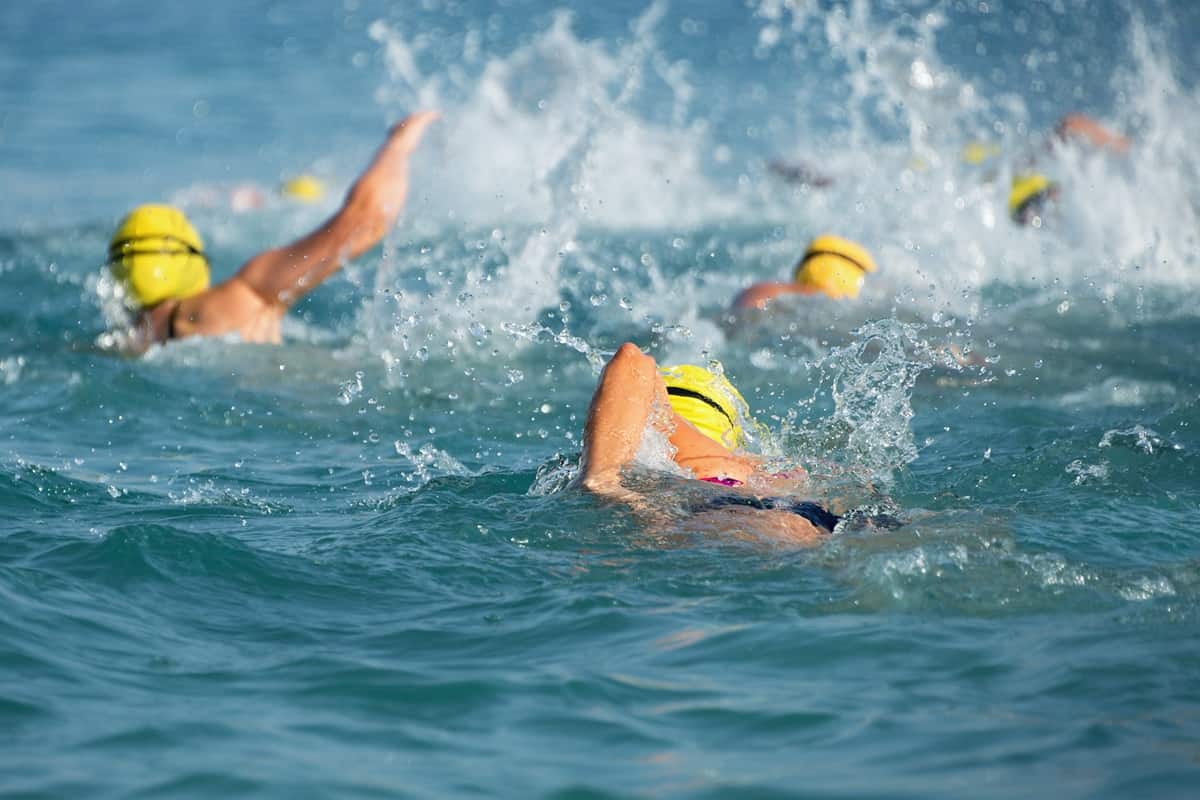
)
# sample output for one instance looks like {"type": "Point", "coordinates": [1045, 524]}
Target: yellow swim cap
{"type": "Point", "coordinates": [979, 152]}
{"type": "Point", "coordinates": [835, 266]}
{"type": "Point", "coordinates": [158, 255]}
{"type": "Point", "coordinates": [303, 187]}
{"type": "Point", "coordinates": [1028, 192]}
{"type": "Point", "coordinates": [708, 401]}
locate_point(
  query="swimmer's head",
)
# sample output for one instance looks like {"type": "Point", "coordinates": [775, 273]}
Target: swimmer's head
{"type": "Point", "coordinates": [1028, 196]}
{"type": "Point", "coordinates": [157, 255]}
{"type": "Point", "coordinates": [976, 153]}
{"type": "Point", "coordinates": [305, 188]}
{"type": "Point", "coordinates": [835, 266]}
{"type": "Point", "coordinates": [708, 401]}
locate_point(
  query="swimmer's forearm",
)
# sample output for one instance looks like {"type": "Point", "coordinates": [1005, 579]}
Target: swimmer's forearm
{"type": "Point", "coordinates": [284, 275]}
{"type": "Point", "coordinates": [617, 416]}
{"type": "Point", "coordinates": [758, 295]}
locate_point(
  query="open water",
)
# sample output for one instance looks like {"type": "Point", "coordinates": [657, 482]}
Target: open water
{"type": "Point", "coordinates": [353, 565]}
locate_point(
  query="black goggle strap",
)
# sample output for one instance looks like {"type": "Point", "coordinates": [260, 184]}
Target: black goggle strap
{"type": "Point", "coordinates": [1032, 203]}
{"type": "Point", "coordinates": [121, 248]}
{"type": "Point", "coordinates": [811, 254]}
{"type": "Point", "coordinates": [677, 391]}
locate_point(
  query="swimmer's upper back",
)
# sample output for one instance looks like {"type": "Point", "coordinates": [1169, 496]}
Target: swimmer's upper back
{"type": "Point", "coordinates": [230, 307]}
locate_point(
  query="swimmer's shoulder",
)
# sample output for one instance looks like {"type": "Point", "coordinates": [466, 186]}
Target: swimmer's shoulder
{"type": "Point", "coordinates": [229, 307]}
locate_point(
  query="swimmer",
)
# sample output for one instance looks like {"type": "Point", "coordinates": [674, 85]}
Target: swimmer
{"type": "Point", "coordinates": [1032, 194]}
{"type": "Point", "coordinates": [1030, 197]}
{"type": "Point", "coordinates": [159, 258]}
{"type": "Point", "coordinates": [633, 393]}
{"type": "Point", "coordinates": [798, 173]}
{"type": "Point", "coordinates": [240, 198]}
{"type": "Point", "coordinates": [831, 266]}
{"type": "Point", "coordinates": [303, 189]}
{"type": "Point", "coordinates": [1082, 128]}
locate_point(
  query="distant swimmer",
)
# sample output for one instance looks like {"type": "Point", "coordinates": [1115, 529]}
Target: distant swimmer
{"type": "Point", "coordinates": [798, 173]}
{"type": "Point", "coordinates": [159, 259]}
{"type": "Point", "coordinates": [700, 414]}
{"type": "Point", "coordinates": [240, 198]}
{"type": "Point", "coordinates": [831, 266]}
{"type": "Point", "coordinates": [246, 196]}
{"type": "Point", "coordinates": [1033, 194]}
{"type": "Point", "coordinates": [1082, 128]}
{"type": "Point", "coordinates": [1029, 198]}
{"type": "Point", "coordinates": [303, 188]}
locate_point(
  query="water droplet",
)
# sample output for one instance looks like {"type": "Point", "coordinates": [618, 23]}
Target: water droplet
{"type": "Point", "coordinates": [350, 389]}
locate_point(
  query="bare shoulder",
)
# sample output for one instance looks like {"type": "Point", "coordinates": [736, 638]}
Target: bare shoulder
{"type": "Point", "coordinates": [758, 295]}
{"type": "Point", "coordinates": [229, 307]}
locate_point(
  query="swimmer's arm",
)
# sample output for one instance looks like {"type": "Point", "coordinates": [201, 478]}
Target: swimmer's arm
{"type": "Point", "coordinates": [1084, 127]}
{"type": "Point", "coordinates": [283, 275]}
{"type": "Point", "coordinates": [972, 359]}
{"type": "Point", "coordinates": [629, 388]}
{"type": "Point", "coordinates": [758, 295]}
{"type": "Point", "coordinates": [704, 457]}
{"type": "Point", "coordinates": [627, 397]}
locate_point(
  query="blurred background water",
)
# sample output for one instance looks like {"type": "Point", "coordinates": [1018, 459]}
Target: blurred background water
{"type": "Point", "coordinates": [351, 565]}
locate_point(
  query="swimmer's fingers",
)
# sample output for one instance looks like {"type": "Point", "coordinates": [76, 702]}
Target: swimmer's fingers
{"type": "Point", "coordinates": [407, 132]}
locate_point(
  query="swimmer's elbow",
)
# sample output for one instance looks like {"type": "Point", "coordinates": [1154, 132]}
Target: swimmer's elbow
{"type": "Point", "coordinates": [758, 295]}
{"type": "Point", "coordinates": [606, 484]}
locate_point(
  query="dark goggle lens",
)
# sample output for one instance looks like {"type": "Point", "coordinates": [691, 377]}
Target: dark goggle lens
{"type": "Point", "coordinates": [128, 247]}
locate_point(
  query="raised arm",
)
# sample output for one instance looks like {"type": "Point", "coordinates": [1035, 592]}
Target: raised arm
{"type": "Point", "coordinates": [630, 393]}
{"type": "Point", "coordinates": [624, 400]}
{"type": "Point", "coordinates": [758, 295]}
{"type": "Point", "coordinates": [285, 274]}
{"type": "Point", "coordinates": [1083, 127]}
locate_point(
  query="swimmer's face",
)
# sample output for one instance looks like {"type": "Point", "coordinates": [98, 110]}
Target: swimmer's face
{"type": "Point", "coordinates": [1034, 210]}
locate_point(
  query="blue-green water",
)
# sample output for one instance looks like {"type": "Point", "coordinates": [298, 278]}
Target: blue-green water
{"type": "Point", "coordinates": [353, 565]}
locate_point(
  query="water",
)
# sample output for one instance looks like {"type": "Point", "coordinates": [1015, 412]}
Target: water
{"type": "Point", "coordinates": [352, 565]}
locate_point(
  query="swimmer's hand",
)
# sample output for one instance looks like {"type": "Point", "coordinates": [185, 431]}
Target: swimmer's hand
{"type": "Point", "coordinates": [608, 485]}
{"type": "Point", "coordinates": [972, 359]}
{"type": "Point", "coordinates": [1084, 128]}
{"type": "Point", "coordinates": [378, 196]}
